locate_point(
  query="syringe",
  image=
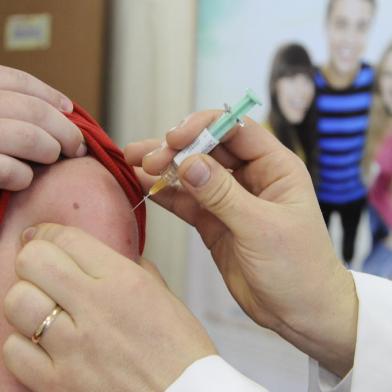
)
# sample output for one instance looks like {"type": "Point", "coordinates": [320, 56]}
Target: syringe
{"type": "Point", "coordinates": [208, 139]}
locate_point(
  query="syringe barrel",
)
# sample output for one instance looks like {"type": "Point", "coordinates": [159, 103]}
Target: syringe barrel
{"type": "Point", "coordinates": [208, 138]}
{"type": "Point", "coordinates": [170, 174]}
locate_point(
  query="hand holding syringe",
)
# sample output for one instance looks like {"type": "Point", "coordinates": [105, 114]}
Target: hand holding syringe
{"type": "Point", "coordinates": [253, 203]}
{"type": "Point", "coordinates": [206, 141]}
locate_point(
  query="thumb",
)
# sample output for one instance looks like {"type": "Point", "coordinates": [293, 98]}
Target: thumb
{"type": "Point", "coordinates": [216, 190]}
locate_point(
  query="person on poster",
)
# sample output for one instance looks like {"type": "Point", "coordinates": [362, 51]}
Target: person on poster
{"type": "Point", "coordinates": [292, 116]}
{"type": "Point", "coordinates": [379, 262]}
{"type": "Point", "coordinates": [344, 88]}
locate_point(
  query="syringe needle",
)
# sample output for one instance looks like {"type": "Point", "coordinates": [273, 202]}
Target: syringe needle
{"type": "Point", "coordinates": [141, 202]}
{"type": "Point", "coordinates": [158, 186]}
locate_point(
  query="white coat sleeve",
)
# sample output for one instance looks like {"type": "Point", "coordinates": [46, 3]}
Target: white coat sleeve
{"type": "Point", "coordinates": [372, 363]}
{"type": "Point", "coordinates": [213, 374]}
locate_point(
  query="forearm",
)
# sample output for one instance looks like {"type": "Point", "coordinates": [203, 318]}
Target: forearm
{"type": "Point", "coordinates": [328, 331]}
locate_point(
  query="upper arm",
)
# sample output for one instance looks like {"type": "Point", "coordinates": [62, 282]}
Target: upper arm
{"type": "Point", "coordinates": [77, 192]}
{"type": "Point", "coordinates": [80, 193]}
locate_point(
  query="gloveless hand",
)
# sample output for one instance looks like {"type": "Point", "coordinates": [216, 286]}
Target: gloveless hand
{"type": "Point", "coordinates": [120, 329]}
{"type": "Point", "coordinates": [32, 127]}
{"type": "Point", "coordinates": [253, 203]}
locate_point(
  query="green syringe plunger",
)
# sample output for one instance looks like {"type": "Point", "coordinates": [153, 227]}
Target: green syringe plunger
{"type": "Point", "coordinates": [233, 115]}
{"type": "Point", "coordinates": [208, 139]}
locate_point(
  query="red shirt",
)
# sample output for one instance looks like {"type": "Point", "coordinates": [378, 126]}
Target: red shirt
{"type": "Point", "coordinates": [380, 194]}
{"type": "Point", "coordinates": [101, 148]}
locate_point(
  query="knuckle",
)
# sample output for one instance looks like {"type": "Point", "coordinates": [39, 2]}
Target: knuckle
{"type": "Point", "coordinates": [39, 110]}
{"type": "Point", "coordinates": [14, 299]}
{"type": "Point", "coordinates": [29, 138]}
{"type": "Point", "coordinates": [22, 78]}
{"type": "Point", "coordinates": [28, 255]}
{"type": "Point", "coordinates": [222, 197]}
{"type": "Point", "coordinates": [32, 139]}
{"type": "Point", "coordinates": [84, 339]}
{"type": "Point", "coordinates": [61, 236]}
{"type": "Point", "coordinates": [37, 147]}
{"type": "Point", "coordinates": [64, 237]}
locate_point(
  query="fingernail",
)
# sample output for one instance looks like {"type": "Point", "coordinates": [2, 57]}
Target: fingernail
{"type": "Point", "coordinates": [82, 150]}
{"type": "Point", "coordinates": [66, 105]}
{"type": "Point", "coordinates": [198, 174]}
{"type": "Point", "coordinates": [28, 234]}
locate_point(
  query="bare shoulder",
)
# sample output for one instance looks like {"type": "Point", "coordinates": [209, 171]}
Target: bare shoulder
{"type": "Point", "coordinates": [81, 193]}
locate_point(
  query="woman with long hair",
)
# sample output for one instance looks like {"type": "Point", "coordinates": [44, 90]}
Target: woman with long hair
{"type": "Point", "coordinates": [292, 112]}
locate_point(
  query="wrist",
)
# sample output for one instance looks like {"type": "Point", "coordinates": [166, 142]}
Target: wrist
{"type": "Point", "coordinates": [326, 328]}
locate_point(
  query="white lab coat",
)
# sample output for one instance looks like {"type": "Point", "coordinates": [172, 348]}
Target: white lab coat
{"type": "Point", "coordinates": [372, 371]}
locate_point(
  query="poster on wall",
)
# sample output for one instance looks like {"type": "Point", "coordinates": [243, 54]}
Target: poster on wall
{"type": "Point", "coordinates": [323, 70]}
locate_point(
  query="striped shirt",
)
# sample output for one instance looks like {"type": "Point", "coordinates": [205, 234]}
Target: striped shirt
{"type": "Point", "coordinates": [343, 120]}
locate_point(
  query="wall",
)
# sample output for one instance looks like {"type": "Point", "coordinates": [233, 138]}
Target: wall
{"type": "Point", "coordinates": [150, 90]}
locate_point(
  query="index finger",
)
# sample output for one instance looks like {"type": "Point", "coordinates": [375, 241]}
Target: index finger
{"type": "Point", "coordinates": [241, 144]}
{"type": "Point", "coordinates": [91, 255]}
{"type": "Point", "coordinates": [248, 142]}
{"type": "Point", "coordinates": [12, 79]}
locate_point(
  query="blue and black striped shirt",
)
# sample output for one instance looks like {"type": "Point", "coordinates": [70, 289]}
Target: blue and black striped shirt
{"type": "Point", "coordinates": [343, 120]}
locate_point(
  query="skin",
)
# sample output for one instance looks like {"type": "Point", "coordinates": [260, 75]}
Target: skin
{"type": "Point", "coordinates": [386, 83]}
{"type": "Point", "coordinates": [263, 226]}
{"type": "Point", "coordinates": [297, 288]}
{"type": "Point", "coordinates": [32, 127]}
{"type": "Point", "coordinates": [120, 328]}
{"type": "Point", "coordinates": [295, 95]}
{"type": "Point", "coordinates": [91, 200]}
{"type": "Point", "coordinates": [348, 28]}
{"type": "Point", "coordinates": [264, 229]}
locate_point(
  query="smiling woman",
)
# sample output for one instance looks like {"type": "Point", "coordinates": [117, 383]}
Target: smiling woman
{"type": "Point", "coordinates": [292, 90]}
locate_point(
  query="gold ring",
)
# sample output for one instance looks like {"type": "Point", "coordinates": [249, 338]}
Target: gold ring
{"type": "Point", "coordinates": [46, 324]}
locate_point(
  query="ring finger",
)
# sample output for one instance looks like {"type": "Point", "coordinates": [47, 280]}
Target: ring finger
{"type": "Point", "coordinates": [26, 307]}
